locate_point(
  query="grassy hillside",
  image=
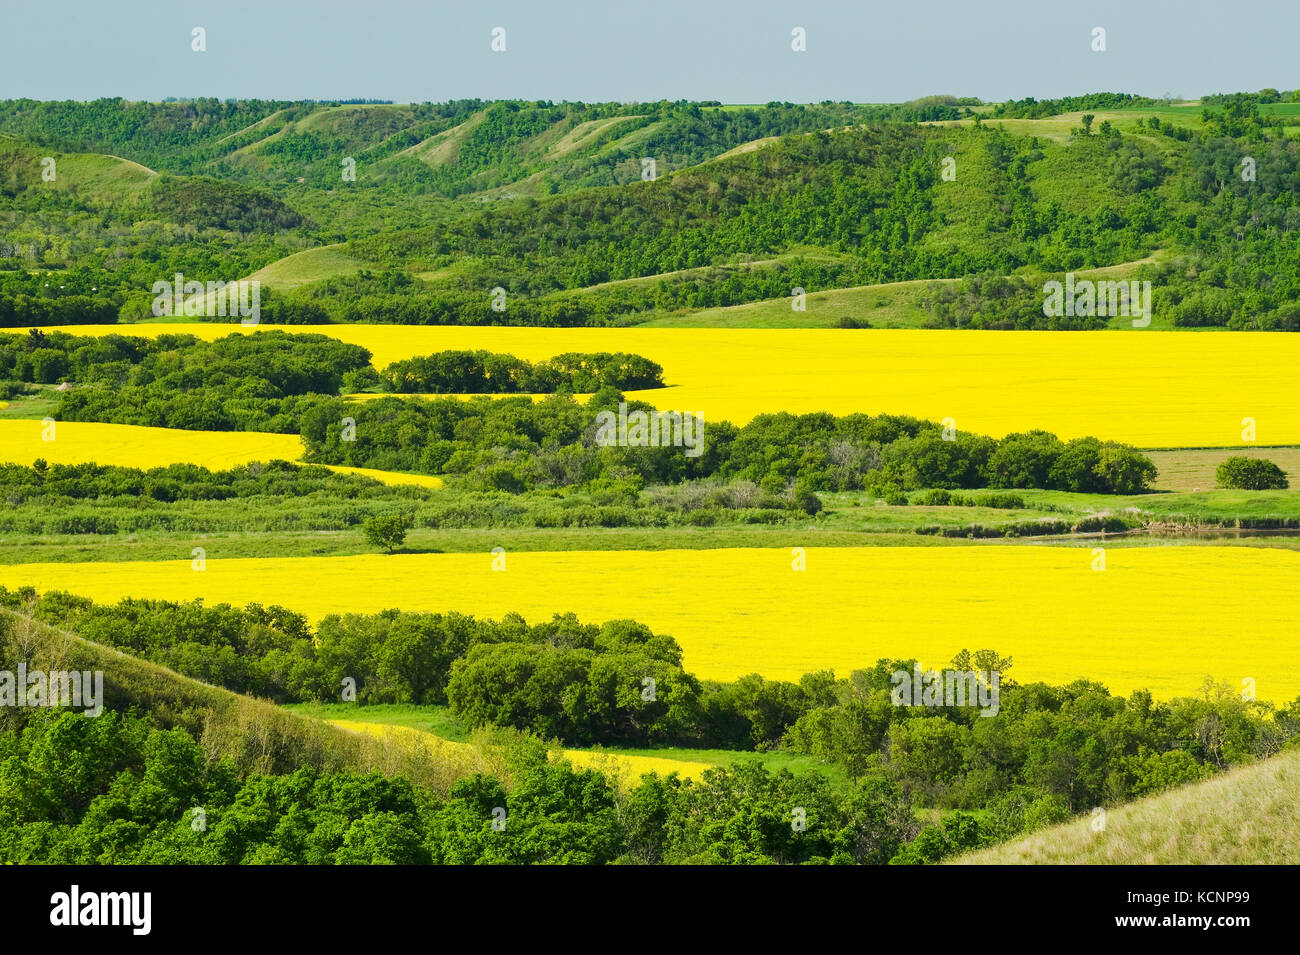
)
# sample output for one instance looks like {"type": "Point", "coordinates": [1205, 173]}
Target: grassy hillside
{"type": "Point", "coordinates": [615, 214]}
{"type": "Point", "coordinates": [1243, 817]}
{"type": "Point", "coordinates": [258, 737]}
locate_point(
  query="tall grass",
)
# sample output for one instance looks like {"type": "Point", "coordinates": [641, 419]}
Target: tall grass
{"type": "Point", "coordinates": [257, 736]}
{"type": "Point", "coordinates": [1246, 816]}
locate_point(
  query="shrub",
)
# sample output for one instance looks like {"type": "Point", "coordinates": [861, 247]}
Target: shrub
{"type": "Point", "coordinates": [935, 498]}
{"type": "Point", "coordinates": [1010, 502]}
{"type": "Point", "coordinates": [1250, 474]}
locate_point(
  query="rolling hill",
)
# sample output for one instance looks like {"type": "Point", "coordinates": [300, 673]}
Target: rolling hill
{"type": "Point", "coordinates": [616, 214]}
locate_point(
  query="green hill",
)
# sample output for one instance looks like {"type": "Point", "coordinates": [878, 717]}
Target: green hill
{"type": "Point", "coordinates": [601, 214]}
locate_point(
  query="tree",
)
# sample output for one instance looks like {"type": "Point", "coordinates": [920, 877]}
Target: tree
{"type": "Point", "coordinates": [1251, 474]}
{"type": "Point", "coordinates": [386, 530]}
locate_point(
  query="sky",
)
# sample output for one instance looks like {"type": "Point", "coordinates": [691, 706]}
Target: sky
{"type": "Point", "coordinates": [615, 50]}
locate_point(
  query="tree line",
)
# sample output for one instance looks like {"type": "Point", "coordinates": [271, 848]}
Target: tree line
{"type": "Point", "coordinates": [516, 444]}
{"type": "Point", "coordinates": [484, 372]}
{"type": "Point", "coordinates": [260, 382]}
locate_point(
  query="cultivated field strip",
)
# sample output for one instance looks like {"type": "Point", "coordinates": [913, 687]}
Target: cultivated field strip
{"type": "Point", "coordinates": [1150, 389]}
{"type": "Point", "coordinates": [1161, 618]}
{"type": "Point", "coordinates": [79, 442]}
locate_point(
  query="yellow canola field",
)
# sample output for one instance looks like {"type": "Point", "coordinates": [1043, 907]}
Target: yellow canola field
{"type": "Point", "coordinates": [79, 442]}
{"type": "Point", "coordinates": [1151, 389]}
{"type": "Point", "coordinates": [1157, 617]}
{"type": "Point", "coordinates": [629, 767]}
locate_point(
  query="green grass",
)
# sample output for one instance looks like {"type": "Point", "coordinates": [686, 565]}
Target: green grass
{"type": "Point", "coordinates": [1186, 469]}
{"type": "Point", "coordinates": [1060, 127]}
{"type": "Point", "coordinates": [890, 305]}
{"type": "Point", "coordinates": [894, 305]}
{"type": "Point", "coordinates": [97, 177]}
{"type": "Point", "coordinates": [439, 721]}
{"type": "Point", "coordinates": [256, 527]}
{"type": "Point", "coordinates": [35, 406]}
{"type": "Point", "coordinates": [310, 265]}
{"type": "Point", "coordinates": [162, 545]}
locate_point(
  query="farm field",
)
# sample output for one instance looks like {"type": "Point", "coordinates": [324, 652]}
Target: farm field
{"type": "Point", "coordinates": [1156, 390]}
{"type": "Point", "coordinates": [1161, 618]}
{"type": "Point", "coordinates": [76, 442]}
{"type": "Point", "coordinates": [1192, 469]}
{"type": "Point", "coordinates": [79, 442]}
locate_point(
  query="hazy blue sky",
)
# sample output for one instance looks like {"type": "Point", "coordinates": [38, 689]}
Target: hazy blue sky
{"type": "Point", "coordinates": [737, 52]}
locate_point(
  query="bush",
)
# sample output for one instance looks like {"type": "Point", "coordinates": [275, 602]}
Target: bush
{"type": "Point", "coordinates": [1251, 474]}
{"type": "Point", "coordinates": [805, 500]}
{"type": "Point", "coordinates": [1003, 501]}
{"type": "Point", "coordinates": [935, 498]}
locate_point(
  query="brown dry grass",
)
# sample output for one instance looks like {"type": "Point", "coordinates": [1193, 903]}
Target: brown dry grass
{"type": "Point", "coordinates": [1247, 816]}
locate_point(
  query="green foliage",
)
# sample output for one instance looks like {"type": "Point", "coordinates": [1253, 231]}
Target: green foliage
{"type": "Point", "coordinates": [1251, 474]}
{"type": "Point", "coordinates": [132, 801]}
{"type": "Point", "coordinates": [243, 184]}
{"type": "Point", "coordinates": [482, 372]}
{"type": "Point", "coordinates": [275, 497]}
{"type": "Point", "coordinates": [210, 203]}
{"type": "Point", "coordinates": [1030, 108]}
{"type": "Point", "coordinates": [241, 382]}
{"type": "Point", "coordinates": [516, 444]}
{"type": "Point", "coordinates": [121, 787]}
{"type": "Point", "coordinates": [387, 531]}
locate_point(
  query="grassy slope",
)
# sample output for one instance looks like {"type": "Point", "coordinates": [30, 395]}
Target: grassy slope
{"type": "Point", "coordinates": [891, 305]}
{"type": "Point", "coordinates": [96, 177]}
{"type": "Point", "coordinates": [303, 268]}
{"type": "Point", "coordinates": [1064, 174]}
{"type": "Point", "coordinates": [1246, 816]}
{"type": "Point", "coordinates": [258, 736]}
